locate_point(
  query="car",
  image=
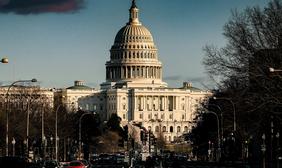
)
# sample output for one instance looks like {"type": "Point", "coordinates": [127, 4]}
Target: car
{"type": "Point", "coordinates": [76, 164]}
{"type": "Point", "coordinates": [86, 163]}
{"type": "Point", "coordinates": [51, 164]}
{"type": "Point", "coordinates": [64, 164]}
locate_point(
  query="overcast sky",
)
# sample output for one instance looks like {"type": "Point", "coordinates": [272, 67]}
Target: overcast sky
{"type": "Point", "coordinates": [65, 40]}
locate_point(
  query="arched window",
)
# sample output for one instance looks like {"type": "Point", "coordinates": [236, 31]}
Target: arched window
{"type": "Point", "coordinates": [178, 128]}
{"type": "Point", "coordinates": [171, 129]}
{"type": "Point", "coordinates": [157, 129]}
{"type": "Point", "coordinates": [164, 128]}
{"type": "Point", "coordinates": [185, 129]}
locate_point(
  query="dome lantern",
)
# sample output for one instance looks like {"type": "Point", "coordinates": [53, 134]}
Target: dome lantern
{"type": "Point", "coordinates": [133, 14]}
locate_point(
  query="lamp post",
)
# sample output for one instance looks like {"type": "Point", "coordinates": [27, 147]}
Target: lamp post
{"type": "Point", "coordinates": [42, 127]}
{"type": "Point", "coordinates": [51, 144]}
{"type": "Point", "coordinates": [4, 60]}
{"type": "Point", "coordinates": [218, 135]}
{"type": "Point", "coordinates": [7, 114]}
{"type": "Point", "coordinates": [13, 143]}
{"type": "Point", "coordinates": [56, 129]}
{"type": "Point", "coordinates": [79, 136]}
{"type": "Point", "coordinates": [263, 149]}
{"type": "Point", "coordinates": [44, 146]}
{"type": "Point", "coordinates": [278, 149]}
{"type": "Point", "coordinates": [233, 107]}
{"type": "Point", "coordinates": [221, 118]}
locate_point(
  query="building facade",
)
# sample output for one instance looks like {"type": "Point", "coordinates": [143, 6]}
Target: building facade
{"type": "Point", "coordinates": [21, 96]}
{"type": "Point", "coordinates": [134, 88]}
{"type": "Point", "coordinates": [68, 97]}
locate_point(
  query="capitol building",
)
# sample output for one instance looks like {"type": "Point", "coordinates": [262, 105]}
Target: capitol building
{"type": "Point", "coordinates": [134, 88]}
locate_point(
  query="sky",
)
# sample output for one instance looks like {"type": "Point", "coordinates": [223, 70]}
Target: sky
{"type": "Point", "coordinates": [60, 41]}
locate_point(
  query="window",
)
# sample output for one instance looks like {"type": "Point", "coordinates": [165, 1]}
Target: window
{"type": "Point", "coordinates": [170, 103]}
{"type": "Point", "coordinates": [148, 107]}
{"type": "Point", "coordinates": [123, 116]}
{"type": "Point", "coordinates": [185, 129]}
{"type": "Point", "coordinates": [157, 129]}
{"type": "Point", "coordinates": [178, 128]}
{"type": "Point", "coordinates": [140, 116]}
{"type": "Point", "coordinates": [171, 129]}
{"type": "Point", "coordinates": [149, 116]}
{"type": "Point", "coordinates": [156, 116]}
{"type": "Point", "coordinates": [94, 107]}
{"type": "Point", "coordinates": [164, 128]}
{"type": "Point", "coordinates": [170, 116]}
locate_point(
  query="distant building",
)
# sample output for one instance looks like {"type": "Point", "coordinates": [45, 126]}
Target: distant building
{"type": "Point", "coordinates": [69, 96]}
{"type": "Point", "coordinates": [19, 96]}
{"type": "Point", "coordinates": [134, 88]}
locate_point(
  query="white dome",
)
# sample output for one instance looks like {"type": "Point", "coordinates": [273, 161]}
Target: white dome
{"type": "Point", "coordinates": [133, 33]}
{"type": "Point", "coordinates": [134, 57]}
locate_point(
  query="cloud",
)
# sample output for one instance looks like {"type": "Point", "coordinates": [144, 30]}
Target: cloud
{"type": "Point", "coordinates": [25, 7]}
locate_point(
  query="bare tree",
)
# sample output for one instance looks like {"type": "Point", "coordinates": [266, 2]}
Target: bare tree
{"type": "Point", "coordinates": [254, 43]}
{"type": "Point", "coordinates": [246, 33]}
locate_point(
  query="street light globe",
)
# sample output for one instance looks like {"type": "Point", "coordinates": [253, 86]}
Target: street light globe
{"type": "Point", "coordinates": [13, 141]}
{"type": "Point", "coordinates": [271, 69]}
{"type": "Point", "coordinates": [33, 80]}
{"type": "Point", "coordinates": [4, 60]}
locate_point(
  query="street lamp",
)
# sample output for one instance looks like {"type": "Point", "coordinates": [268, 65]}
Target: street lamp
{"type": "Point", "coordinates": [87, 113]}
{"type": "Point", "coordinates": [274, 70]}
{"type": "Point", "coordinates": [221, 118]}
{"type": "Point", "coordinates": [263, 149]}
{"type": "Point", "coordinates": [56, 129]}
{"type": "Point", "coordinates": [278, 149]}
{"type": "Point", "coordinates": [44, 146]}
{"type": "Point", "coordinates": [218, 135]}
{"type": "Point", "coordinates": [13, 143]}
{"type": "Point", "coordinates": [233, 107]}
{"type": "Point", "coordinates": [7, 114]}
{"type": "Point", "coordinates": [51, 145]}
{"type": "Point", "coordinates": [4, 60]}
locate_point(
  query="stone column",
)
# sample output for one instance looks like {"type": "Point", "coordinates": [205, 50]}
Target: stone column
{"type": "Point", "coordinates": [131, 68]}
{"type": "Point", "coordinates": [122, 72]}
{"type": "Point", "coordinates": [147, 72]}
